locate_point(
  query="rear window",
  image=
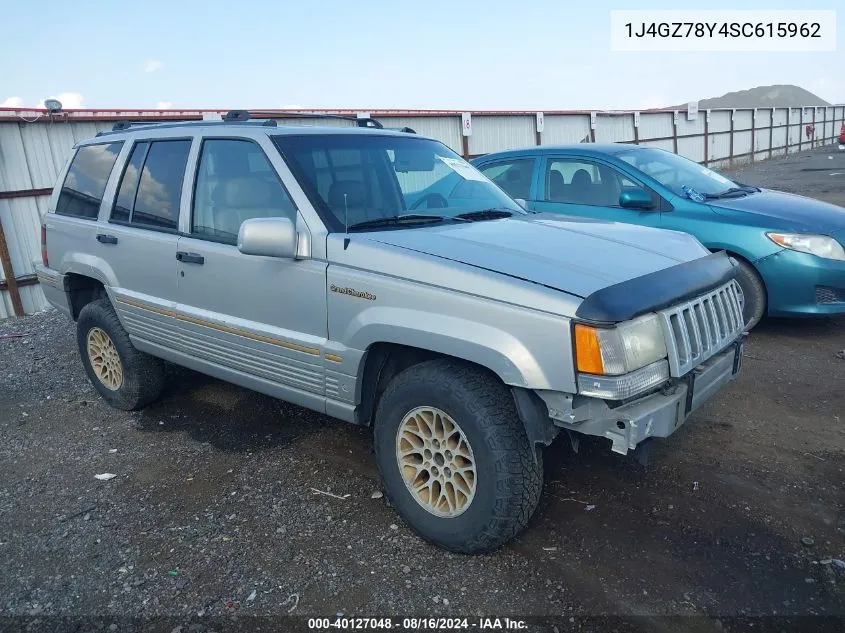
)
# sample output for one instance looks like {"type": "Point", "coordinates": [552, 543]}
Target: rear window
{"type": "Point", "coordinates": [82, 191]}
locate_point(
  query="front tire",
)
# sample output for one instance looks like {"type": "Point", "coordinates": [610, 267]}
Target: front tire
{"type": "Point", "coordinates": [753, 291]}
{"type": "Point", "coordinates": [126, 378]}
{"type": "Point", "coordinates": [454, 456]}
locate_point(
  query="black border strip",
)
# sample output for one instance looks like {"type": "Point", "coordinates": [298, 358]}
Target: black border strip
{"type": "Point", "coordinates": [655, 291]}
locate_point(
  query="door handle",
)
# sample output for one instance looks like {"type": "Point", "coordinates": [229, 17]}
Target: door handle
{"type": "Point", "coordinates": [102, 238]}
{"type": "Point", "coordinates": [190, 258]}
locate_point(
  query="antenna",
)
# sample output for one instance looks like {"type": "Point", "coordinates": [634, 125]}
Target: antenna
{"type": "Point", "coordinates": [345, 222]}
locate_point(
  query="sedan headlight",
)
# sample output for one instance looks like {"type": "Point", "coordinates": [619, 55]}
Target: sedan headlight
{"type": "Point", "coordinates": [619, 350]}
{"type": "Point", "coordinates": [819, 245]}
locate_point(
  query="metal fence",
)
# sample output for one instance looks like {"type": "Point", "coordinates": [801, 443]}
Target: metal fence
{"type": "Point", "coordinates": [34, 145]}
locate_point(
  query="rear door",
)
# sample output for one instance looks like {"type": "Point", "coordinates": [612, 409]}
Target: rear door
{"type": "Point", "coordinates": [256, 321]}
{"type": "Point", "coordinates": [72, 225]}
{"type": "Point", "coordinates": [139, 240]}
{"type": "Point", "coordinates": [576, 185]}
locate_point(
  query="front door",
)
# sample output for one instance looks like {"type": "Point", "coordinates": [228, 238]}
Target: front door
{"type": "Point", "coordinates": [256, 321]}
{"type": "Point", "coordinates": [574, 185]}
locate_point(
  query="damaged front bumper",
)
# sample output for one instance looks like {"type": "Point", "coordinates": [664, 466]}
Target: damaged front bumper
{"type": "Point", "coordinates": [656, 415]}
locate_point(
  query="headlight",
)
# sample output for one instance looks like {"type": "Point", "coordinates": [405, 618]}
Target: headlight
{"type": "Point", "coordinates": [819, 245]}
{"type": "Point", "coordinates": [620, 350]}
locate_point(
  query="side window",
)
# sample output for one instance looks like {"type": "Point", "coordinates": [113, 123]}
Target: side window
{"type": "Point", "coordinates": [574, 181]}
{"type": "Point", "coordinates": [514, 176]}
{"type": "Point", "coordinates": [82, 191]}
{"type": "Point", "coordinates": [160, 185]}
{"type": "Point", "coordinates": [129, 184]}
{"type": "Point", "coordinates": [151, 186]}
{"type": "Point", "coordinates": [235, 182]}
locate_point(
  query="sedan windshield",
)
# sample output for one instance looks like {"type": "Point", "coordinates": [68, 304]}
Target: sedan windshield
{"type": "Point", "coordinates": [677, 173]}
{"type": "Point", "coordinates": [373, 181]}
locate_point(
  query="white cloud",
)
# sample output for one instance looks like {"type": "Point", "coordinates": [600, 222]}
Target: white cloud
{"type": "Point", "coordinates": [152, 65]}
{"type": "Point", "coordinates": [294, 106]}
{"type": "Point", "coordinates": [69, 100]}
{"type": "Point", "coordinates": [12, 102]}
{"type": "Point", "coordinates": [164, 105]}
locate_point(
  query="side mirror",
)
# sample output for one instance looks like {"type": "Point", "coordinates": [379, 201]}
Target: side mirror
{"type": "Point", "coordinates": [270, 237]}
{"type": "Point", "coordinates": [521, 202]}
{"type": "Point", "coordinates": [635, 198]}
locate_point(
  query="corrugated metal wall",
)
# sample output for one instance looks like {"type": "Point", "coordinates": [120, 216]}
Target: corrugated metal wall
{"type": "Point", "coordinates": [31, 155]}
{"type": "Point", "coordinates": [33, 149]}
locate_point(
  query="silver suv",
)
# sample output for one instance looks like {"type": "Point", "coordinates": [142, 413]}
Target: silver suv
{"type": "Point", "coordinates": [377, 277]}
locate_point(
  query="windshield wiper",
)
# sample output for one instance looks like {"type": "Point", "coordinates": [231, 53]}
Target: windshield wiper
{"type": "Point", "coordinates": [397, 220]}
{"type": "Point", "coordinates": [730, 193]}
{"type": "Point", "coordinates": [485, 214]}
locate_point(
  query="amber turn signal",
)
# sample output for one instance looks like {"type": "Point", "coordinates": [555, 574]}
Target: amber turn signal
{"type": "Point", "coordinates": [587, 350]}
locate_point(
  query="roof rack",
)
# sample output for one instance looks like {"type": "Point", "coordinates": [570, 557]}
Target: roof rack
{"type": "Point", "coordinates": [121, 126]}
{"type": "Point", "coordinates": [245, 115]}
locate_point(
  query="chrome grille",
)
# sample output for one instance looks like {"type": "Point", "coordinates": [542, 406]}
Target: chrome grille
{"type": "Point", "coordinates": [698, 329]}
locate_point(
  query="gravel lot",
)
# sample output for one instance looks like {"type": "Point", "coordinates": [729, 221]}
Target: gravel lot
{"type": "Point", "coordinates": [213, 511]}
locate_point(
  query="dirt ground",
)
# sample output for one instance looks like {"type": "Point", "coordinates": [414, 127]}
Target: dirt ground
{"type": "Point", "coordinates": [213, 511]}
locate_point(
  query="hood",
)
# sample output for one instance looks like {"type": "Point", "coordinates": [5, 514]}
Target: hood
{"type": "Point", "coordinates": [786, 211]}
{"type": "Point", "coordinates": [573, 255]}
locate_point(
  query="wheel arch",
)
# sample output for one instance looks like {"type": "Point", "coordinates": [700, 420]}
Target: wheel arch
{"type": "Point", "coordinates": [81, 290]}
{"type": "Point", "coordinates": [383, 361]}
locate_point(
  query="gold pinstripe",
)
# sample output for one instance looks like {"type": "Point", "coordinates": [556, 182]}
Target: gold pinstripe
{"type": "Point", "coordinates": [313, 351]}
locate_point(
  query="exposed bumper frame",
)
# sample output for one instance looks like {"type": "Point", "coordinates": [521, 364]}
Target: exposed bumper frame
{"type": "Point", "coordinates": [656, 415]}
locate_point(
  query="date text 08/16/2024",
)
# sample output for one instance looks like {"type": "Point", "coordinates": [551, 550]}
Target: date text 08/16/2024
{"type": "Point", "coordinates": [417, 624]}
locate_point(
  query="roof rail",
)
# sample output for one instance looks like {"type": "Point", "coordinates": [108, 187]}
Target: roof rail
{"type": "Point", "coordinates": [245, 115]}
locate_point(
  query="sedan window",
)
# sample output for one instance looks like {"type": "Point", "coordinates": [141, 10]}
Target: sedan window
{"type": "Point", "coordinates": [514, 176]}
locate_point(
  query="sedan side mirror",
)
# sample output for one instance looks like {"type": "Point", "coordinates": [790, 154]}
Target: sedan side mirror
{"type": "Point", "coordinates": [270, 237]}
{"type": "Point", "coordinates": [635, 198]}
{"type": "Point", "coordinates": [521, 202]}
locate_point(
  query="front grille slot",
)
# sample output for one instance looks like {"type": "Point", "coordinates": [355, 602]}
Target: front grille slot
{"type": "Point", "coordinates": [827, 296]}
{"type": "Point", "coordinates": [698, 329]}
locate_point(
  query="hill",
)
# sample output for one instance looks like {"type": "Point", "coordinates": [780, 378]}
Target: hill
{"type": "Point", "coordinates": [763, 97]}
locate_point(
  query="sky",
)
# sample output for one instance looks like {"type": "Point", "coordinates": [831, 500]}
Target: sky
{"type": "Point", "coordinates": [406, 54]}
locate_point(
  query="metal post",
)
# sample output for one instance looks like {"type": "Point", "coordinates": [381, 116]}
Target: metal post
{"type": "Point", "coordinates": [706, 136]}
{"type": "Point", "coordinates": [771, 132]}
{"type": "Point", "coordinates": [824, 127]}
{"type": "Point", "coordinates": [636, 128]}
{"type": "Point", "coordinates": [675, 131]}
{"type": "Point", "coordinates": [11, 281]}
{"type": "Point", "coordinates": [731, 147]}
{"type": "Point", "coordinates": [753, 134]}
{"type": "Point", "coordinates": [788, 130]}
{"type": "Point", "coordinates": [801, 130]}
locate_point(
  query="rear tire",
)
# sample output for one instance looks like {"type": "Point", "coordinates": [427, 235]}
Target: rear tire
{"type": "Point", "coordinates": [464, 423]}
{"type": "Point", "coordinates": [753, 291]}
{"type": "Point", "coordinates": [126, 378]}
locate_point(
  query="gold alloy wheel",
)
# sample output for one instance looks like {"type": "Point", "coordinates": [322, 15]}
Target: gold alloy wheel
{"type": "Point", "coordinates": [104, 359]}
{"type": "Point", "coordinates": [436, 461]}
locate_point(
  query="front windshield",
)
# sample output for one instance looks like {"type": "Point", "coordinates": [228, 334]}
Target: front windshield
{"type": "Point", "coordinates": [355, 178]}
{"type": "Point", "coordinates": [675, 172]}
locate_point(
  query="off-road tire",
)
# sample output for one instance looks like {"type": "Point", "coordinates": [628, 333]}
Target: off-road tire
{"type": "Point", "coordinates": [754, 293]}
{"type": "Point", "coordinates": [508, 480]}
{"type": "Point", "coordinates": [142, 374]}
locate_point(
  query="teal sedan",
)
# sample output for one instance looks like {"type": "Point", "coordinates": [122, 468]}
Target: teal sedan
{"type": "Point", "coordinates": [789, 248]}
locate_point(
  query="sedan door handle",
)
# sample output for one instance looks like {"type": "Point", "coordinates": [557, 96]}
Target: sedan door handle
{"type": "Point", "coordinates": [190, 258]}
{"type": "Point", "coordinates": [106, 239]}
